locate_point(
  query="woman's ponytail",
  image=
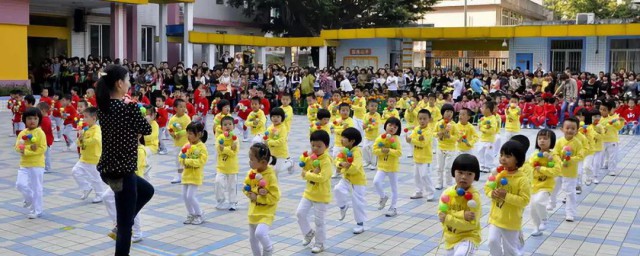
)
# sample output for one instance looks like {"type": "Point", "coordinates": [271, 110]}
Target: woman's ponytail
{"type": "Point", "coordinates": [107, 84]}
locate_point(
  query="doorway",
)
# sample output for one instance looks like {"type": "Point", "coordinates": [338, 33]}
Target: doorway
{"type": "Point", "coordinates": [524, 61]}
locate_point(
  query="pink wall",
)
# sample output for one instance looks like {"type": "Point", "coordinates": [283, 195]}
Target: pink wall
{"type": "Point", "coordinates": [14, 12]}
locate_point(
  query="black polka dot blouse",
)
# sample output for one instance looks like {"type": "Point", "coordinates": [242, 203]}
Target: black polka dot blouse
{"type": "Point", "coordinates": [120, 129]}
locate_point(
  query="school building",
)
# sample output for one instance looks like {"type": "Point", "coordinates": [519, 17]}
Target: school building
{"type": "Point", "coordinates": [151, 31]}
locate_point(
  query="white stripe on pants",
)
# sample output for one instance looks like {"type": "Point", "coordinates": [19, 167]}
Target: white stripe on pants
{"type": "Point", "coordinates": [358, 201]}
{"type": "Point", "coordinates": [422, 179]}
{"type": "Point", "coordinates": [58, 126]}
{"type": "Point", "coordinates": [568, 186]}
{"type": "Point", "coordinates": [190, 201]}
{"type": "Point", "coordinates": [87, 177]}
{"type": "Point", "coordinates": [110, 203]}
{"type": "Point", "coordinates": [378, 182]}
{"type": "Point", "coordinates": [47, 159]}
{"type": "Point", "coordinates": [485, 154]}
{"type": "Point", "coordinates": [69, 134]}
{"type": "Point", "coordinates": [610, 156]}
{"type": "Point", "coordinates": [539, 202]}
{"type": "Point", "coordinates": [259, 235]}
{"type": "Point", "coordinates": [462, 248]}
{"type": "Point", "coordinates": [319, 212]}
{"type": "Point", "coordinates": [445, 160]}
{"type": "Point", "coordinates": [367, 153]}
{"type": "Point", "coordinates": [226, 187]}
{"type": "Point", "coordinates": [505, 242]}
{"type": "Point", "coordinates": [29, 184]}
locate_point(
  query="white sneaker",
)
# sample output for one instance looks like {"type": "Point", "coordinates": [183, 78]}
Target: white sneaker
{"type": "Point", "coordinates": [290, 166]}
{"type": "Point", "coordinates": [222, 206]}
{"type": "Point", "coordinates": [308, 237]}
{"type": "Point", "coordinates": [85, 194]}
{"type": "Point", "coordinates": [569, 218]}
{"type": "Point", "coordinates": [136, 239]}
{"type": "Point", "coordinates": [417, 195]}
{"type": "Point", "coordinates": [317, 248]}
{"type": "Point", "coordinates": [358, 229]}
{"type": "Point", "coordinates": [97, 199]}
{"type": "Point", "coordinates": [233, 206]}
{"type": "Point", "coordinates": [32, 216]}
{"type": "Point", "coordinates": [177, 179]}
{"type": "Point", "coordinates": [410, 156]}
{"type": "Point", "coordinates": [197, 220]}
{"type": "Point", "coordinates": [164, 152]}
{"type": "Point", "coordinates": [55, 140]}
{"type": "Point", "coordinates": [391, 212]}
{"type": "Point", "coordinates": [536, 233]}
{"type": "Point", "coordinates": [189, 219]}
{"type": "Point", "coordinates": [430, 198]}
{"type": "Point", "coordinates": [267, 252]}
{"type": "Point", "coordinates": [612, 173]}
{"type": "Point", "coordinates": [579, 190]}
{"type": "Point", "coordinates": [588, 182]}
{"type": "Point", "coordinates": [550, 207]}
{"type": "Point", "coordinates": [383, 202]}
{"type": "Point", "coordinates": [245, 140]}
{"type": "Point", "coordinates": [596, 181]}
{"type": "Point", "coordinates": [343, 212]}
{"type": "Point", "coordinates": [372, 167]}
{"type": "Point", "coordinates": [366, 166]}
{"type": "Point", "coordinates": [543, 226]}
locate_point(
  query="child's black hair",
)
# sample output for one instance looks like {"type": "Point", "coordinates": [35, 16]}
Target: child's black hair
{"type": "Point", "coordinates": [446, 107]}
{"type": "Point", "coordinates": [582, 112]}
{"type": "Point", "coordinates": [177, 102]}
{"type": "Point", "coordinates": [467, 163]}
{"type": "Point", "coordinates": [491, 105]}
{"type": "Point", "coordinates": [610, 104]}
{"type": "Point", "coordinates": [262, 153]}
{"type": "Point", "coordinates": [255, 98]}
{"type": "Point", "coordinates": [320, 135]}
{"type": "Point", "coordinates": [32, 112]}
{"type": "Point", "coordinates": [573, 120]}
{"type": "Point", "coordinates": [515, 149]}
{"type": "Point", "coordinates": [424, 111]}
{"type": "Point", "coordinates": [223, 103]}
{"type": "Point", "coordinates": [227, 118]}
{"type": "Point", "coordinates": [372, 101]}
{"type": "Point", "coordinates": [30, 99]}
{"type": "Point", "coordinates": [344, 104]}
{"type": "Point", "coordinates": [469, 112]}
{"type": "Point", "coordinates": [396, 122]}
{"type": "Point", "coordinates": [323, 113]}
{"type": "Point", "coordinates": [198, 127]}
{"type": "Point", "coordinates": [44, 106]}
{"type": "Point", "coordinates": [67, 97]}
{"type": "Point", "coordinates": [523, 140]}
{"type": "Point", "coordinates": [431, 95]}
{"type": "Point", "coordinates": [59, 94]}
{"type": "Point", "coordinates": [86, 103]}
{"type": "Point", "coordinates": [91, 111]}
{"type": "Point", "coordinates": [150, 110]}
{"type": "Point", "coordinates": [352, 134]}
{"type": "Point", "coordinates": [547, 133]}
{"type": "Point", "coordinates": [278, 112]}
{"type": "Point", "coordinates": [161, 97]}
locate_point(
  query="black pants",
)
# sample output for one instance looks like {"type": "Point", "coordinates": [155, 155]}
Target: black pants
{"type": "Point", "coordinates": [136, 192]}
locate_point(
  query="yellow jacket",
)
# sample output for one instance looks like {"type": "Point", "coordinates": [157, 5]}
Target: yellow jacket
{"type": "Point", "coordinates": [326, 127]}
{"type": "Point", "coordinates": [340, 125]}
{"type": "Point", "coordinates": [371, 126]}
{"type": "Point", "coordinates": [355, 173]}
{"type": "Point", "coordinates": [32, 158]}
{"type": "Point", "coordinates": [334, 109]}
{"type": "Point", "coordinates": [488, 129]}
{"type": "Point", "coordinates": [513, 119]}
{"type": "Point", "coordinates": [91, 145]}
{"type": "Point", "coordinates": [388, 162]}
{"type": "Point", "coordinates": [179, 127]}
{"type": "Point", "coordinates": [467, 136]}
{"type": "Point", "coordinates": [435, 113]}
{"type": "Point", "coordinates": [359, 107]}
{"type": "Point", "coordinates": [217, 126]}
{"type": "Point", "coordinates": [263, 210]}
{"type": "Point", "coordinates": [312, 112]}
{"type": "Point", "coordinates": [257, 121]}
{"type": "Point", "coordinates": [507, 213]}
{"type": "Point", "coordinates": [596, 133]}
{"type": "Point", "coordinates": [288, 116]}
{"type": "Point", "coordinates": [151, 141]}
{"type": "Point", "coordinates": [318, 184]}
{"type": "Point", "coordinates": [544, 179]}
{"type": "Point", "coordinates": [455, 227]}
{"type": "Point", "coordinates": [141, 167]}
{"type": "Point", "coordinates": [586, 144]}
{"type": "Point", "coordinates": [450, 129]}
{"type": "Point", "coordinates": [569, 168]}
{"type": "Point", "coordinates": [499, 122]}
{"type": "Point", "coordinates": [196, 158]}
{"type": "Point", "coordinates": [401, 104]}
{"type": "Point", "coordinates": [422, 153]}
{"type": "Point", "coordinates": [386, 114]}
{"type": "Point", "coordinates": [612, 125]}
{"type": "Point", "coordinates": [277, 142]}
{"type": "Point", "coordinates": [227, 157]}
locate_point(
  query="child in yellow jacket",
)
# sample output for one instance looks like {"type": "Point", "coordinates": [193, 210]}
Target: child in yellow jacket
{"type": "Point", "coordinates": [277, 137]}
{"type": "Point", "coordinates": [85, 172]}
{"type": "Point", "coordinates": [177, 130]}
{"type": "Point", "coordinates": [316, 171]}
{"type": "Point", "coordinates": [312, 108]}
{"type": "Point", "coordinates": [447, 133]}
{"type": "Point", "coordinates": [261, 187]}
{"type": "Point", "coordinates": [509, 189]}
{"type": "Point", "coordinates": [391, 110]}
{"type": "Point", "coordinates": [467, 132]}
{"type": "Point", "coordinates": [359, 106]}
{"type": "Point", "coordinates": [193, 157]}
{"type": "Point", "coordinates": [460, 208]}
{"type": "Point", "coordinates": [487, 125]}
{"type": "Point", "coordinates": [257, 121]}
{"type": "Point", "coordinates": [513, 112]}
{"type": "Point", "coordinates": [340, 124]}
{"type": "Point", "coordinates": [228, 167]}
{"type": "Point", "coordinates": [371, 127]}
{"type": "Point", "coordinates": [593, 161]}
{"type": "Point", "coordinates": [31, 144]}
{"type": "Point", "coordinates": [354, 180]}
{"type": "Point", "coordinates": [224, 106]}
{"type": "Point", "coordinates": [152, 140]}
{"type": "Point", "coordinates": [388, 149]}
{"type": "Point", "coordinates": [586, 142]}
{"type": "Point", "coordinates": [611, 124]}
{"type": "Point", "coordinates": [546, 167]}
{"type": "Point", "coordinates": [288, 110]}
{"type": "Point", "coordinates": [420, 137]}
{"type": "Point", "coordinates": [570, 151]}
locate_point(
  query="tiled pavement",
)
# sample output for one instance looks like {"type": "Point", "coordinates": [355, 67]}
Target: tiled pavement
{"type": "Point", "coordinates": [606, 222]}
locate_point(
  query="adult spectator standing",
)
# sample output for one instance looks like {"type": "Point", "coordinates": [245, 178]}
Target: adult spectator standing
{"type": "Point", "coordinates": [306, 87]}
{"type": "Point", "coordinates": [569, 90]}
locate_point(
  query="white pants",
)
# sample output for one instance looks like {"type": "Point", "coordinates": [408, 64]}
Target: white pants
{"type": "Point", "coordinates": [357, 123]}
{"type": "Point", "coordinates": [610, 155]}
{"type": "Point", "coordinates": [507, 136]}
{"type": "Point", "coordinates": [108, 197]}
{"type": "Point", "coordinates": [497, 145]}
{"type": "Point", "coordinates": [282, 165]}
{"type": "Point", "coordinates": [19, 126]}
{"type": "Point", "coordinates": [367, 153]}
{"type": "Point", "coordinates": [568, 186]}
{"type": "Point", "coordinates": [358, 201]}
{"type": "Point", "coordinates": [245, 133]}
{"type": "Point", "coordinates": [445, 160]}
{"type": "Point", "coordinates": [580, 172]}
{"type": "Point", "coordinates": [539, 202]}
{"type": "Point", "coordinates": [319, 211]}
{"type": "Point", "coordinates": [593, 164]}
{"type": "Point", "coordinates": [259, 237]}
{"type": "Point", "coordinates": [422, 179]}
{"type": "Point", "coordinates": [462, 248]}
{"type": "Point", "coordinates": [378, 183]}
{"type": "Point", "coordinates": [29, 184]}
{"type": "Point", "coordinates": [257, 139]}
{"type": "Point", "coordinates": [226, 187]}
{"type": "Point", "coordinates": [69, 134]}
{"type": "Point", "coordinates": [505, 242]}
{"type": "Point", "coordinates": [58, 126]}
{"type": "Point", "coordinates": [190, 201]}
{"type": "Point", "coordinates": [47, 159]}
{"type": "Point", "coordinates": [161, 135]}
{"type": "Point", "coordinates": [87, 177]}
{"type": "Point", "coordinates": [485, 154]}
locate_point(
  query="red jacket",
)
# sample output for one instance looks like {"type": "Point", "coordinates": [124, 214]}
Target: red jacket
{"type": "Point", "coordinates": [71, 115]}
{"type": "Point", "coordinates": [631, 114]}
{"type": "Point", "coordinates": [244, 113]}
{"type": "Point", "coordinates": [47, 100]}
{"type": "Point", "coordinates": [74, 100]}
{"type": "Point", "coordinates": [45, 124]}
{"type": "Point", "coordinates": [145, 100]}
{"type": "Point", "coordinates": [163, 117]}
{"type": "Point", "coordinates": [92, 101]}
{"type": "Point", "coordinates": [265, 106]}
{"type": "Point", "coordinates": [538, 111]}
{"type": "Point", "coordinates": [18, 109]}
{"type": "Point", "coordinates": [168, 104]}
{"type": "Point", "coordinates": [56, 109]}
{"type": "Point", "coordinates": [191, 111]}
{"type": "Point", "coordinates": [202, 106]}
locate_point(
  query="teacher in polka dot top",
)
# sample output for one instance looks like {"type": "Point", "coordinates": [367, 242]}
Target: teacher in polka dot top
{"type": "Point", "coordinates": [121, 123]}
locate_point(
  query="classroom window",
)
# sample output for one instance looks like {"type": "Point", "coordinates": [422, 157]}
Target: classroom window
{"type": "Point", "coordinates": [147, 37]}
{"type": "Point", "coordinates": [566, 54]}
{"type": "Point", "coordinates": [624, 54]}
{"type": "Point", "coordinates": [100, 40]}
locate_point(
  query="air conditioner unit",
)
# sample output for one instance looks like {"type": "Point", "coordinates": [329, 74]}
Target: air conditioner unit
{"type": "Point", "coordinates": [585, 18]}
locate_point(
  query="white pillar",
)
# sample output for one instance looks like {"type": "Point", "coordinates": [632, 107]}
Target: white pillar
{"type": "Point", "coordinates": [209, 52]}
{"type": "Point", "coordinates": [162, 34]}
{"type": "Point", "coordinates": [322, 63]}
{"type": "Point", "coordinates": [263, 57]}
{"type": "Point", "coordinates": [287, 57]}
{"type": "Point", "coordinates": [188, 26]}
{"type": "Point", "coordinates": [118, 14]}
{"type": "Point", "coordinates": [232, 50]}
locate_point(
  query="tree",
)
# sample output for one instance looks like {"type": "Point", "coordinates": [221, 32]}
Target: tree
{"type": "Point", "coordinates": [603, 9]}
{"type": "Point", "coordinates": [309, 17]}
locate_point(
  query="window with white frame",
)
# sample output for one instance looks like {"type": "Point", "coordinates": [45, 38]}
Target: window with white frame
{"type": "Point", "coordinates": [147, 37]}
{"type": "Point", "coordinates": [510, 18]}
{"type": "Point", "coordinates": [100, 40]}
{"type": "Point", "coordinates": [624, 54]}
{"type": "Point", "coordinates": [566, 54]}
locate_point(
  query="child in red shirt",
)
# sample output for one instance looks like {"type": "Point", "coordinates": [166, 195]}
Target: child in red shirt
{"type": "Point", "coordinates": [57, 116]}
{"type": "Point", "coordinates": [17, 108]}
{"type": "Point", "coordinates": [45, 125]}
{"type": "Point", "coordinates": [69, 114]}
{"type": "Point", "coordinates": [202, 106]}
{"type": "Point", "coordinates": [162, 118]}
{"type": "Point", "coordinates": [74, 97]}
{"type": "Point", "coordinates": [551, 112]}
{"type": "Point", "coordinates": [527, 111]}
{"type": "Point", "coordinates": [630, 114]}
{"type": "Point", "coordinates": [90, 97]}
{"type": "Point", "coordinates": [538, 117]}
{"type": "Point", "coordinates": [243, 109]}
